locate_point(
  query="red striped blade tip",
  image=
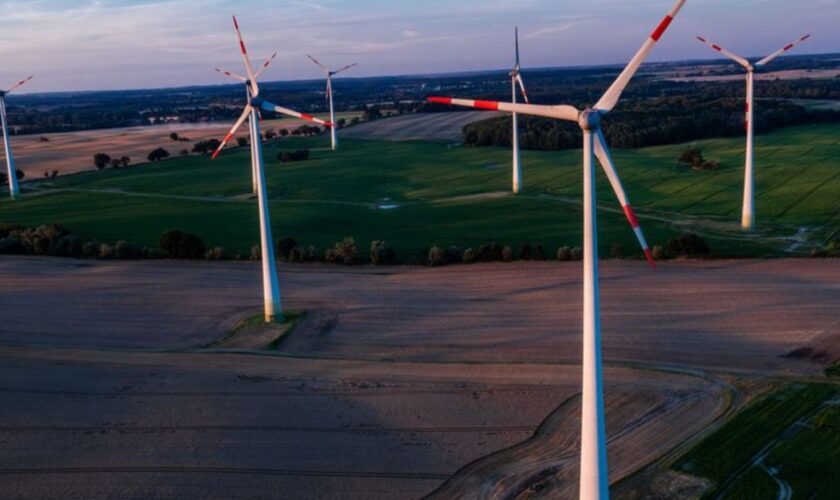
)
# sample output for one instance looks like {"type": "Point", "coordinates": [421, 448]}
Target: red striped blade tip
{"type": "Point", "coordinates": [649, 257]}
{"type": "Point", "coordinates": [657, 33]}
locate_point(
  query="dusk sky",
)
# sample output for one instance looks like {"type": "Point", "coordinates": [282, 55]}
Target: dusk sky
{"type": "Point", "coordinates": [121, 44]}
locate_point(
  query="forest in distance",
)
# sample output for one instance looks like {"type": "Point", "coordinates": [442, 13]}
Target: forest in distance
{"type": "Point", "coordinates": [661, 109]}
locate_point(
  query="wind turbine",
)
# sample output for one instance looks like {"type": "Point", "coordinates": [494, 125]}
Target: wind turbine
{"type": "Point", "coordinates": [330, 73]}
{"type": "Point", "coordinates": [271, 288]}
{"type": "Point", "coordinates": [253, 135]}
{"type": "Point", "coordinates": [748, 208]}
{"type": "Point", "coordinates": [594, 482]}
{"type": "Point", "coordinates": [14, 189]}
{"type": "Point", "coordinates": [516, 79]}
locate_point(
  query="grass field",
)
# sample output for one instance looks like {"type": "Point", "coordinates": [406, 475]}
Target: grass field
{"type": "Point", "coordinates": [788, 439]}
{"type": "Point", "coordinates": [455, 195]}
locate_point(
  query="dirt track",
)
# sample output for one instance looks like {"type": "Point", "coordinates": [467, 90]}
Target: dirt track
{"type": "Point", "coordinates": [400, 381]}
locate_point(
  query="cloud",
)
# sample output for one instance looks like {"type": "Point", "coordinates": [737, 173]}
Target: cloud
{"type": "Point", "coordinates": [551, 30]}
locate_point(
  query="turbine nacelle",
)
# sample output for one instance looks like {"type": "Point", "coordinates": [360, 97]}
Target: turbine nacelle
{"type": "Point", "coordinates": [590, 119]}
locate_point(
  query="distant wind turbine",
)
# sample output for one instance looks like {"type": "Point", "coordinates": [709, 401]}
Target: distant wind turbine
{"type": "Point", "coordinates": [330, 73]}
{"type": "Point", "coordinates": [271, 288]}
{"type": "Point", "coordinates": [748, 207]}
{"type": "Point", "coordinates": [14, 189]}
{"type": "Point", "coordinates": [516, 80]}
{"type": "Point", "coordinates": [594, 482]}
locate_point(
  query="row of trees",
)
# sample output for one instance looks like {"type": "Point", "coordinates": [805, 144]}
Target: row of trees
{"type": "Point", "coordinates": [660, 121]}
{"type": "Point", "coordinates": [56, 240]}
{"type": "Point", "coordinates": [103, 160]}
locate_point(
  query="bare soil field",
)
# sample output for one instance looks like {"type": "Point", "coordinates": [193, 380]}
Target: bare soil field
{"type": "Point", "coordinates": [71, 152]}
{"type": "Point", "coordinates": [398, 383]}
{"type": "Point", "coordinates": [445, 126]}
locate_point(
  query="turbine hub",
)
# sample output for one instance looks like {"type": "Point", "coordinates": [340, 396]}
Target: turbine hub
{"type": "Point", "coordinates": [589, 119]}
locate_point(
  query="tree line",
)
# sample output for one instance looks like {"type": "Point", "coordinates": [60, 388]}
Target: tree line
{"type": "Point", "coordinates": [650, 122]}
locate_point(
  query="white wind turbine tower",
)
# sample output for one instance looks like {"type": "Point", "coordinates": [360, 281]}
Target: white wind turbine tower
{"type": "Point", "coordinates": [271, 288]}
{"type": "Point", "coordinates": [253, 136]}
{"type": "Point", "coordinates": [748, 208]}
{"type": "Point", "coordinates": [330, 73]}
{"type": "Point", "coordinates": [14, 189]}
{"type": "Point", "coordinates": [516, 80]}
{"type": "Point", "coordinates": [594, 482]}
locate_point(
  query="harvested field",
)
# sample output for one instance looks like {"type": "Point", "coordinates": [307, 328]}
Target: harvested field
{"type": "Point", "coordinates": [415, 380]}
{"type": "Point", "coordinates": [726, 315]}
{"type": "Point", "coordinates": [71, 152]}
{"type": "Point", "coordinates": [445, 126]}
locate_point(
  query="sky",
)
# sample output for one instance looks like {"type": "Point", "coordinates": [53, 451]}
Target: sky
{"type": "Point", "coordinates": [129, 44]}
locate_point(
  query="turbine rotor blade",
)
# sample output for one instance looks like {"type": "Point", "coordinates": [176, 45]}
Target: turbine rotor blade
{"type": "Point", "coordinates": [289, 112]}
{"type": "Point", "coordinates": [611, 96]}
{"type": "Point", "coordinates": [521, 83]}
{"type": "Point", "coordinates": [561, 112]}
{"type": "Point", "coordinates": [248, 67]}
{"type": "Point", "coordinates": [265, 64]}
{"type": "Point", "coordinates": [782, 51]}
{"type": "Point", "coordinates": [738, 59]}
{"type": "Point", "coordinates": [344, 68]}
{"type": "Point", "coordinates": [603, 154]}
{"type": "Point", "coordinates": [231, 75]}
{"type": "Point", "coordinates": [18, 84]}
{"type": "Point", "coordinates": [318, 63]}
{"type": "Point", "coordinates": [233, 130]}
{"type": "Point", "coordinates": [516, 37]}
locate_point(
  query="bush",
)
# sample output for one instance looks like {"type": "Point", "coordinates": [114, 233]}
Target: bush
{"type": "Point", "coordinates": [525, 252]}
{"type": "Point", "coordinates": [68, 245]}
{"type": "Point", "coordinates": [539, 253]}
{"type": "Point", "coordinates": [694, 158]}
{"type": "Point", "coordinates": [344, 252]}
{"type": "Point", "coordinates": [284, 247]}
{"type": "Point", "coordinates": [106, 251]}
{"type": "Point", "coordinates": [242, 141]}
{"type": "Point", "coordinates": [155, 253]}
{"type": "Point", "coordinates": [658, 253]}
{"type": "Point", "coordinates": [300, 254]}
{"type": "Point", "coordinates": [90, 250]}
{"type": "Point", "coordinates": [101, 160]}
{"type": "Point", "coordinates": [507, 254]}
{"type": "Point", "coordinates": [125, 250]}
{"type": "Point", "coordinates": [296, 155]}
{"type": "Point", "coordinates": [381, 253]}
{"type": "Point", "coordinates": [490, 252]}
{"type": "Point", "coordinates": [215, 253]}
{"type": "Point", "coordinates": [469, 256]}
{"type": "Point", "coordinates": [577, 253]}
{"type": "Point", "coordinates": [181, 245]}
{"type": "Point", "coordinates": [688, 245]}
{"type": "Point", "coordinates": [437, 256]}
{"type": "Point", "coordinates": [256, 253]}
{"type": "Point", "coordinates": [564, 254]}
{"type": "Point", "coordinates": [11, 245]}
{"type": "Point", "coordinates": [158, 154]}
{"type": "Point", "coordinates": [616, 251]}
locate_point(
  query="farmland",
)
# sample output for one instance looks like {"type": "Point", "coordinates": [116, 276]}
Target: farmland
{"type": "Point", "coordinates": [424, 381]}
{"type": "Point", "coordinates": [416, 194]}
{"type": "Point", "coordinates": [789, 437]}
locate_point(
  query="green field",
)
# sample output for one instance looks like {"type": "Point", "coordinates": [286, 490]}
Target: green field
{"type": "Point", "coordinates": [454, 195]}
{"type": "Point", "coordinates": [792, 434]}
